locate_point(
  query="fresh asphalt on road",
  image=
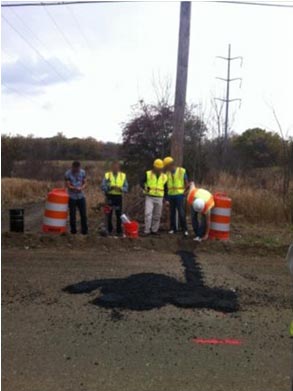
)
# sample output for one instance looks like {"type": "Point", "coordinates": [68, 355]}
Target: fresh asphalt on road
{"type": "Point", "coordinates": [105, 317]}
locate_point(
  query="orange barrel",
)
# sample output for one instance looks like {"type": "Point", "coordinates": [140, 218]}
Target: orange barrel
{"type": "Point", "coordinates": [221, 217]}
{"type": "Point", "coordinates": [55, 216]}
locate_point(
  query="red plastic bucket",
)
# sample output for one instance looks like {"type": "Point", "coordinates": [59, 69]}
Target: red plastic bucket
{"type": "Point", "coordinates": [131, 229]}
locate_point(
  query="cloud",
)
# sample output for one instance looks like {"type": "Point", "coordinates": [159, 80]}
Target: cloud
{"type": "Point", "coordinates": [31, 76]}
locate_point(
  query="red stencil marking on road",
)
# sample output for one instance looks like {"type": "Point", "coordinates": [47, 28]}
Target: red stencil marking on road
{"type": "Point", "coordinates": [216, 341]}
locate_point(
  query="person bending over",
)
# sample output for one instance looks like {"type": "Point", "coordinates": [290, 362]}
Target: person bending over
{"type": "Point", "coordinates": [201, 202]}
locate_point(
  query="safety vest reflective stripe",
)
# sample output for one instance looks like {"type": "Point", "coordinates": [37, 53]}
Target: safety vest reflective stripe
{"type": "Point", "coordinates": [155, 184]}
{"type": "Point", "coordinates": [176, 181]}
{"type": "Point", "coordinates": [117, 180]}
{"type": "Point", "coordinates": [208, 205]}
{"type": "Point", "coordinates": [191, 195]}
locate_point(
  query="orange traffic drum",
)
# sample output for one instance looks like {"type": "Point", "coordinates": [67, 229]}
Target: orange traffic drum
{"type": "Point", "coordinates": [56, 211]}
{"type": "Point", "coordinates": [221, 217]}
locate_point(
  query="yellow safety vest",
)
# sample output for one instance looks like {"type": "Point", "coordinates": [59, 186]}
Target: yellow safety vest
{"type": "Point", "coordinates": [204, 195]}
{"type": "Point", "coordinates": [117, 180]}
{"type": "Point", "coordinates": [155, 184]}
{"type": "Point", "coordinates": [176, 184]}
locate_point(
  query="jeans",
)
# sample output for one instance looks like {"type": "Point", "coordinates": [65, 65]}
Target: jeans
{"type": "Point", "coordinates": [199, 227]}
{"type": "Point", "coordinates": [177, 204]}
{"type": "Point", "coordinates": [115, 201]}
{"type": "Point", "coordinates": [80, 204]}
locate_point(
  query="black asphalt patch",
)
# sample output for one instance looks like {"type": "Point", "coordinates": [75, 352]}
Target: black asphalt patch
{"type": "Point", "coordinates": [146, 291]}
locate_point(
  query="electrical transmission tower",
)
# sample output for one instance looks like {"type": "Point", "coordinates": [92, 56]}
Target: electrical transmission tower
{"type": "Point", "coordinates": [228, 80]}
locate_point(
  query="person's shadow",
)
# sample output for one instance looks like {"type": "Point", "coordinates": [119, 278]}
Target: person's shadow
{"type": "Point", "coordinates": [146, 291]}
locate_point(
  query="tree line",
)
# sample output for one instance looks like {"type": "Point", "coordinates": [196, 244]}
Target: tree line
{"type": "Point", "coordinates": [34, 149]}
{"type": "Point", "coordinates": [147, 135]}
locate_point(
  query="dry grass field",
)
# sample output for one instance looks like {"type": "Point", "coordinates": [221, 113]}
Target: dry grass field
{"type": "Point", "coordinates": [255, 200]}
{"type": "Point", "coordinates": [21, 191]}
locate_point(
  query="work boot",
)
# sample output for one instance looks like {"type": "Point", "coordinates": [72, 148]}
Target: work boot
{"type": "Point", "coordinates": [145, 234]}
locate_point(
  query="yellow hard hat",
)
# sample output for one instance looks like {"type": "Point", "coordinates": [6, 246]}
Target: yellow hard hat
{"type": "Point", "coordinates": [158, 163]}
{"type": "Point", "coordinates": [168, 160]}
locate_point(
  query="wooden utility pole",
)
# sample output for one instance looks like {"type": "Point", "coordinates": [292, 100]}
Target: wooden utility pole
{"type": "Point", "coordinates": [177, 140]}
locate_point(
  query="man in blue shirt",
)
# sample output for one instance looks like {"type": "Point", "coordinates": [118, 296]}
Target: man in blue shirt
{"type": "Point", "coordinates": [75, 183]}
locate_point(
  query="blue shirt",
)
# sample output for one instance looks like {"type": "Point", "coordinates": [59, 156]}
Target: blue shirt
{"type": "Point", "coordinates": [77, 180]}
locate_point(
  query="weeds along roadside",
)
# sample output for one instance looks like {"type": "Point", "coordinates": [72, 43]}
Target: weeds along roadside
{"type": "Point", "coordinates": [250, 204]}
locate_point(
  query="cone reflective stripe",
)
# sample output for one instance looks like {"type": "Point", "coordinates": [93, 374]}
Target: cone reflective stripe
{"type": "Point", "coordinates": [220, 227]}
{"type": "Point", "coordinates": [221, 217]}
{"type": "Point", "coordinates": [56, 207]}
{"type": "Point", "coordinates": [222, 211]}
{"type": "Point", "coordinates": [53, 223]}
{"type": "Point", "coordinates": [56, 211]}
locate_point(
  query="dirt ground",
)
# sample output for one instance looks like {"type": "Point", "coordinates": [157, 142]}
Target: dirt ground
{"type": "Point", "coordinates": [88, 314]}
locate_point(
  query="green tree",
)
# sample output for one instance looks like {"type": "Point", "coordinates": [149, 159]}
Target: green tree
{"type": "Point", "coordinates": [258, 148]}
{"type": "Point", "coordinates": [147, 136]}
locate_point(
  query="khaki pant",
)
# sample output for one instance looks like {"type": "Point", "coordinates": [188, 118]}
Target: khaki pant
{"type": "Point", "coordinates": [153, 212]}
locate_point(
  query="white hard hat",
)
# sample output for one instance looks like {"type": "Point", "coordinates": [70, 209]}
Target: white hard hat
{"type": "Point", "coordinates": [198, 205]}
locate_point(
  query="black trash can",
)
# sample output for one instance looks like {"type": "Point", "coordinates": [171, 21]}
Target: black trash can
{"type": "Point", "coordinates": [16, 220]}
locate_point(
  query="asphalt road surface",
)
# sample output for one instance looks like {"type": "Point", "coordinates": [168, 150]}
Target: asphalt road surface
{"type": "Point", "coordinates": [99, 316]}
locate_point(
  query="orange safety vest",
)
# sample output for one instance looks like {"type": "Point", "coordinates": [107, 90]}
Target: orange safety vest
{"type": "Point", "coordinates": [204, 195]}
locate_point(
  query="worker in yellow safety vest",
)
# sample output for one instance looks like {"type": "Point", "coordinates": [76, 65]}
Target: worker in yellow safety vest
{"type": "Point", "coordinates": [201, 202]}
{"type": "Point", "coordinates": [114, 185]}
{"type": "Point", "coordinates": [177, 184]}
{"type": "Point", "coordinates": [154, 185]}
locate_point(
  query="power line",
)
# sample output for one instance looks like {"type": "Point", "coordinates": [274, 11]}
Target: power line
{"type": "Point", "coordinates": [70, 11]}
{"type": "Point", "coordinates": [32, 33]}
{"type": "Point", "coordinates": [58, 3]}
{"type": "Point", "coordinates": [54, 3]}
{"type": "Point", "coordinates": [255, 3]}
{"type": "Point", "coordinates": [29, 29]}
{"type": "Point", "coordinates": [58, 29]}
{"type": "Point", "coordinates": [33, 48]}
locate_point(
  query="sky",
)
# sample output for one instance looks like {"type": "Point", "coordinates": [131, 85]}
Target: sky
{"type": "Point", "coordinates": [79, 69]}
